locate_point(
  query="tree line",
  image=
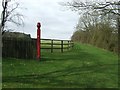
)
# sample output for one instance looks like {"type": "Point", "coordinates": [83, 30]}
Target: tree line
{"type": "Point", "coordinates": [101, 33]}
{"type": "Point", "coordinates": [99, 23]}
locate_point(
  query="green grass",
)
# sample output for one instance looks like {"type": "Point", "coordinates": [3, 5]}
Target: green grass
{"type": "Point", "coordinates": [84, 66]}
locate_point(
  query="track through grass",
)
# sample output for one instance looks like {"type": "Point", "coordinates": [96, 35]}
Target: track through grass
{"type": "Point", "coordinates": [83, 66]}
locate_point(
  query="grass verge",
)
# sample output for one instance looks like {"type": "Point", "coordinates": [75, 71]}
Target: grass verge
{"type": "Point", "coordinates": [84, 66]}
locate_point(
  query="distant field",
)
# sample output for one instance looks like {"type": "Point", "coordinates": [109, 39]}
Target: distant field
{"type": "Point", "coordinates": [47, 43]}
{"type": "Point", "coordinates": [83, 66]}
{"type": "Point", "coordinates": [55, 45]}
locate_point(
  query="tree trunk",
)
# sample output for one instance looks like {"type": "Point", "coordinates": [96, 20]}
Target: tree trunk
{"type": "Point", "coordinates": [118, 23]}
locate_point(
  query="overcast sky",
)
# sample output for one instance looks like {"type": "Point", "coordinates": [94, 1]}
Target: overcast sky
{"type": "Point", "coordinates": [57, 21]}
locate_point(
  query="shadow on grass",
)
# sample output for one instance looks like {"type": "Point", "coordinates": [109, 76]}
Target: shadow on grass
{"type": "Point", "coordinates": [70, 76]}
{"type": "Point", "coordinates": [58, 78]}
{"type": "Point", "coordinates": [69, 56]}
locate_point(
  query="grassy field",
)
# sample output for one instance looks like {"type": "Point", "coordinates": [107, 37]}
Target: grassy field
{"type": "Point", "coordinates": [84, 66]}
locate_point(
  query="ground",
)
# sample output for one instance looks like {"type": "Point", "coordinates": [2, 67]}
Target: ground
{"type": "Point", "coordinates": [83, 66]}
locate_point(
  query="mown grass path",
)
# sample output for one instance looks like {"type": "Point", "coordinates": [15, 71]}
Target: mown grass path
{"type": "Point", "coordinates": [84, 66]}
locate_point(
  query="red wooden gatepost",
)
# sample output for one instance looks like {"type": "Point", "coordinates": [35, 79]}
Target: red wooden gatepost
{"type": "Point", "coordinates": [38, 40]}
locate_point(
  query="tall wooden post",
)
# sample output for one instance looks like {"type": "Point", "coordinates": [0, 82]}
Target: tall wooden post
{"type": "Point", "coordinates": [118, 23]}
{"type": "Point", "coordinates": [38, 40]}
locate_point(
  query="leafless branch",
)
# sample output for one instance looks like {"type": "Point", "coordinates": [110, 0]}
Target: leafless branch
{"type": "Point", "coordinates": [9, 15]}
{"type": "Point", "coordinates": [103, 7]}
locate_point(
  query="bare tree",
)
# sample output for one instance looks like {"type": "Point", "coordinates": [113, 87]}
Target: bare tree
{"type": "Point", "coordinates": [104, 7]}
{"type": "Point", "coordinates": [95, 8]}
{"type": "Point", "coordinates": [9, 14]}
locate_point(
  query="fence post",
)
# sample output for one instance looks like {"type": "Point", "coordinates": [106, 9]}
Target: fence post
{"type": "Point", "coordinates": [72, 44]}
{"type": "Point", "coordinates": [68, 45]}
{"type": "Point", "coordinates": [61, 45]}
{"type": "Point", "coordinates": [38, 40]}
{"type": "Point", "coordinates": [51, 46]}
